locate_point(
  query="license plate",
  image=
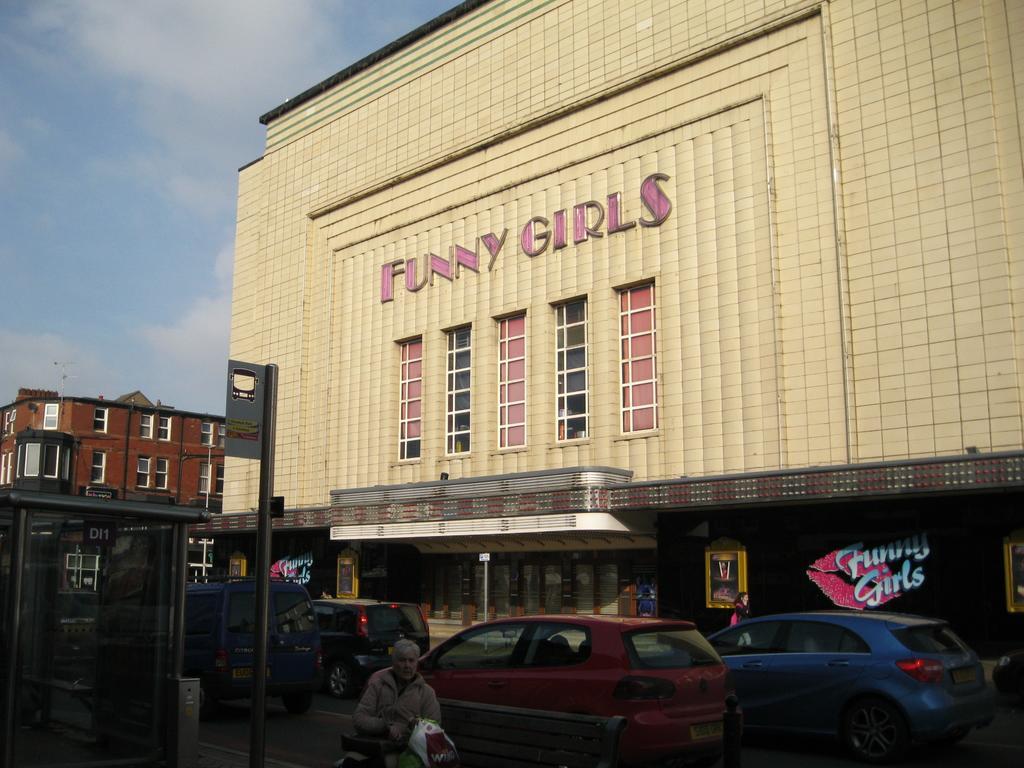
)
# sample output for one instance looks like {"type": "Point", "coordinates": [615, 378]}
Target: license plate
{"type": "Point", "coordinates": [964, 675]}
{"type": "Point", "coordinates": [244, 673]}
{"type": "Point", "coordinates": [706, 730]}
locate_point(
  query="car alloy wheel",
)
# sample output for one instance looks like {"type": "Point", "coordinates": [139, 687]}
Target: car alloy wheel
{"type": "Point", "coordinates": [340, 680]}
{"type": "Point", "coordinates": [874, 731]}
{"type": "Point", "coordinates": [208, 706]}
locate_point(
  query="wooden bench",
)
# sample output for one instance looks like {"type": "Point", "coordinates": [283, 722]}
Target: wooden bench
{"type": "Point", "coordinates": [492, 736]}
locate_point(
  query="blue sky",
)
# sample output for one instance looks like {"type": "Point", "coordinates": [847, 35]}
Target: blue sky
{"type": "Point", "coordinates": [122, 128]}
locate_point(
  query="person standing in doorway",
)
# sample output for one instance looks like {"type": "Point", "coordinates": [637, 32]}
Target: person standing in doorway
{"type": "Point", "coordinates": [741, 608]}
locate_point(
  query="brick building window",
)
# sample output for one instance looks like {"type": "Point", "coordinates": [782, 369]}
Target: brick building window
{"type": "Point", "coordinates": [512, 381]}
{"type": "Point", "coordinates": [51, 411]}
{"type": "Point", "coordinates": [99, 419]}
{"type": "Point", "coordinates": [161, 474]}
{"type": "Point", "coordinates": [411, 400]}
{"type": "Point", "coordinates": [164, 432]}
{"type": "Point", "coordinates": [142, 472]}
{"type": "Point", "coordinates": [204, 477]}
{"type": "Point", "coordinates": [98, 470]}
{"type": "Point", "coordinates": [219, 487]}
{"type": "Point", "coordinates": [206, 433]}
{"type": "Point", "coordinates": [51, 460]}
{"type": "Point", "coordinates": [638, 362]}
{"type": "Point", "coordinates": [146, 426]}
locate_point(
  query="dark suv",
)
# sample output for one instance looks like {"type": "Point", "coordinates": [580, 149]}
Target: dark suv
{"type": "Point", "coordinates": [358, 636]}
{"type": "Point", "coordinates": [220, 619]}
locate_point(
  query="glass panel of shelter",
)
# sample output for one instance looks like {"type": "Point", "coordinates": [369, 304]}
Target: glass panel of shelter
{"type": "Point", "coordinates": [94, 620]}
{"type": "Point", "coordinates": [5, 582]}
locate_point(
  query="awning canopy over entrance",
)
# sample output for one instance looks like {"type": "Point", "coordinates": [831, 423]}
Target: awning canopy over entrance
{"type": "Point", "coordinates": [586, 530]}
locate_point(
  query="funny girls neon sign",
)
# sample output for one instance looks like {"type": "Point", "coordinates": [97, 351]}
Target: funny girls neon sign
{"type": "Point", "coordinates": [565, 227]}
{"type": "Point", "coordinates": [854, 577]}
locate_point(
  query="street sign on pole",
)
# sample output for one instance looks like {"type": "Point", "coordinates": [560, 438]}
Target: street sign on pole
{"type": "Point", "coordinates": [485, 558]}
{"type": "Point", "coordinates": [250, 424]}
{"type": "Point", "coordinates": [244, 414]}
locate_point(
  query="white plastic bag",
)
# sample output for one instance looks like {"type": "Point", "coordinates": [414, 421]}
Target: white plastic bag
{"type": "Point", "coordinates": [432, 746]}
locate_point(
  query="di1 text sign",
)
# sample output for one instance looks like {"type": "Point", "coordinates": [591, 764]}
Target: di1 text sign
{"type": "Point", "coordinates": [243, 416]}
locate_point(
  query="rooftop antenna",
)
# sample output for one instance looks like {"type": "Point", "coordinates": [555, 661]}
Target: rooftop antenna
{"type": "Point", "coordinates": [64, 376]}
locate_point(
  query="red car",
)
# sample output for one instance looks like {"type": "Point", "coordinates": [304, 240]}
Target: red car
{"type": "Point", "coordinates": [661, 675]}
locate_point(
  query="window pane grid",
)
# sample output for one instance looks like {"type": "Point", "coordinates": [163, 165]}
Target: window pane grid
{"type": "Point", "coordinates": [161, 473]}
{"type": "Point", "coordinates": [99, 466]}
{"type": "Point", "coordinates": [571, 365]}
{"type": "Point", "coordinates": [142, 472]}
{"type": "Point", "coordinates": [51, 412]}
{"type": "Point", "coordinates": [512, 382]}
{"type": "Point", "coordinates": [204, 477]}
{"type": "Point", "coordinates": [638, 359]}
{"type": "Point", "coordinates": [99, 420]}
{"type": "Point", "coordinates": [410, 400]}
{"type": "Point", "coordinates": [458, 400]}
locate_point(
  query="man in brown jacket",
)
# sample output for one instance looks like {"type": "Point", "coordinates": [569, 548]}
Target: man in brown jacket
{"type": "Point", "coordinates": [394, 699]}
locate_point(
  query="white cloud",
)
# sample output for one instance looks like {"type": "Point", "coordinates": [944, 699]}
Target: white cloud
{"type": "Point", "coordinates": [33, 361]}
{"type": "Point", "coordinates": [9, 153]}
{"type": "Point", "coordinates": [192, 351]}
{"type": "Point", "coordinates": [196, 74]}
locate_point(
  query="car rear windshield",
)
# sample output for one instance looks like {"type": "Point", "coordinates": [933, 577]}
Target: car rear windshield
{"type": "Point", "coordinates": [669, 649]}
{"type": "Point", "coordinates": [290, 612]}
{"type": "Point", "coordinates": [394, 618]}
{"type": "Point", "coordinates": [930, 638]}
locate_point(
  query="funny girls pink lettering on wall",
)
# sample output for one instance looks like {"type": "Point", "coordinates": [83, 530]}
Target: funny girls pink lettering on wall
{"type": "Point", "coordinates": [588, 220]}
{"type": "Point", "coordinates": [873, 576]}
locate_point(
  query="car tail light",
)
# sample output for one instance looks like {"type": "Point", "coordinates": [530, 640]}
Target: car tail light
{"type": "Point", "coordinates": [634, 687]}
{"type": "Point", "coordinates": [922, 670]}
{"type": "Point", "coordinates": [362, 628]}
{"type": "Point", "coordinates": [220, 660]}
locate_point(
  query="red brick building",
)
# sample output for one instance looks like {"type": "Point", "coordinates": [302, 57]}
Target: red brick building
{"type": "Point", "coordinates": [128, 448]}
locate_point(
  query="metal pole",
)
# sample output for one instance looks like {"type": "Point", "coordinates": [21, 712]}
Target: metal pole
{"type": "Point", "coordinates": [258, 715]}
{"type": "Point", "coordinates": [732, 733]}
{"type": "Point", "coordinates": [485, 589]}
{"type": "Point", "coordinates": [178, 608]}
{"type": "Point", "coordinates": [19, 541]}
{"type": "Point", "coordinates": [210, 474]}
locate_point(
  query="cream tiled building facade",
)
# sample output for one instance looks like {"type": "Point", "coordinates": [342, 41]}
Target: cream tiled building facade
{"type": "Point", "coordinates": [839, 279]}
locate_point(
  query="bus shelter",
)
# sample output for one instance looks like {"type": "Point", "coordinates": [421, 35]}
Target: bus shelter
{"type": "Point", "coordinates": [91, 617]}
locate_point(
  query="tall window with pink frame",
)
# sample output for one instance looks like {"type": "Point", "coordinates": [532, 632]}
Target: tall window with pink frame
{"type": "Point", "coordinates": [512, 382]}
{"type": "Point", "coordinates": [411, 400]}
{"type": "Point", "coordinates": [638, 370]}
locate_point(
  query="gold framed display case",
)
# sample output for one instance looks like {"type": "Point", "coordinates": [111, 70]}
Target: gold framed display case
{"type": "Point", "coordinates": [238, 566]}
{"type": "Point", "coordinates": [725, 572]}
{"type": "Point", "coordinates": [348, 574]}
{"type": "Point", "coordinates": [1013, 565]}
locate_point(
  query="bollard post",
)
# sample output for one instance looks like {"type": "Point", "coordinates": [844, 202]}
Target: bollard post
{"type": "Point", "coordinates": [732, 732]}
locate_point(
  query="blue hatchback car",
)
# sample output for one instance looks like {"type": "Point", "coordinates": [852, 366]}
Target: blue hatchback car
{"type": "Point", "coordinates": [878, 681]}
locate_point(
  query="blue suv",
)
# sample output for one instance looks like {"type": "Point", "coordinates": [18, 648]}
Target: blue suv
{"type": "Point", "coordinates": [220, 643]}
